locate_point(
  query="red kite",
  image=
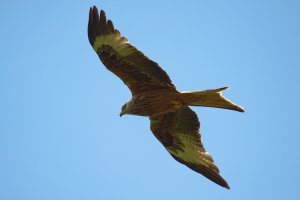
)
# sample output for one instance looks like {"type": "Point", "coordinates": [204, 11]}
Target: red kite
{"type": "Point", "coordinates": [154, 95]}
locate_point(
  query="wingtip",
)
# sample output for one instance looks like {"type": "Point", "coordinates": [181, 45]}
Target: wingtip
{"type": "Point", "coordinates": [94, 8]}
{"type": "Point", "coordinates": [226, 186]}
{"type": "Point", "coordinates": [97, 24]}
{"type": "Point", "coordinates": [102, 12]}
{"type": "Point", "coordinates": [220, 181]}
{"type": "Point", "coordinates": [93, 24]}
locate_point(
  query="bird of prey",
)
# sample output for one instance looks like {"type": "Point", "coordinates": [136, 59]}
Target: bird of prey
{"type": "Point", "coordinates": [154, 95]}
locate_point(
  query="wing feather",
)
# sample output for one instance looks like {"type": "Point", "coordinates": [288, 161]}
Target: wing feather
{"type": "Point", "coordinates": [110, 27]}
{"type": "Point", "coordinates": [124, 60]}
{"type": "Point", "coordinates": [179, 133]}
{"type": "Point", "coordinates": [102, 21]}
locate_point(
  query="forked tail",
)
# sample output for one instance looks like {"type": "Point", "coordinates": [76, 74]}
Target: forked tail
{"type": "Point", "coordinates": [210, 98]}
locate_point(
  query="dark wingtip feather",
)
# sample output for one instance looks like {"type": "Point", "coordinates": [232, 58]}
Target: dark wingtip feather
{"type": "Point", "coordinates": [227, 186]}
{"type": "Point", "coordinates": [91, 32]}
{"type": "Point", "coordinates": [102, 22]}
{"type": "Point", "coordinates": [211, 175]}
{"type": "Point", "coordinates": [110, 27]}
{"type": "Point", "coordinates": [93, 24]}
{"type": "Point", "coordinates": [98, 25]}
{"type": "Point", "coordinates": [205, 171]}
{"type": "Point", "coordinates": [96, 21]}
{"type": "Point", "coordinates": [215, 177]}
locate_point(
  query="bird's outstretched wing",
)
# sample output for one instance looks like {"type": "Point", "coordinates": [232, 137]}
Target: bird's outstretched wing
{"type": "Point", "coordinates": [137, 71]}
{"type": "Point", "coordinates": [179, 133]}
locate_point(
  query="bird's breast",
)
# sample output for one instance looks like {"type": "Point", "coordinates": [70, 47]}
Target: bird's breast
{"type": "Point", "coordinates": [159, 102]}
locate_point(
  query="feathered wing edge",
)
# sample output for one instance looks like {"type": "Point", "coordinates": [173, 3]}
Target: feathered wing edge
{"type": "Point", "coordinates": [205, 171]}
{"type": "Point", "coordinates": [179, 134]}
{"type": "Point", "coordinates": [120, 57]}
{"type": "Point", "coordinates": [98, 25]}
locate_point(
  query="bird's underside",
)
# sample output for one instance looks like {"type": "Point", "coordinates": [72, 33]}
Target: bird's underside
{"type": "Point", "coordinates": [154, 95]}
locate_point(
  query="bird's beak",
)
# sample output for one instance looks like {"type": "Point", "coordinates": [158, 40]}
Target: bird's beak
{"type": "Point", "coordinates": [121, 114]}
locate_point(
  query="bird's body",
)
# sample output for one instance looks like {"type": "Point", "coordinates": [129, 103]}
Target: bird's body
{"type": "Point", "coordinates": [150, 103]}
{"type": "Point", "coordinates": [154, 95]}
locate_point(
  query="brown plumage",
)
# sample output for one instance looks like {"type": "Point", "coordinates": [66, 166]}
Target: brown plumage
{"type": "Point", "coordinates": [154, 95]}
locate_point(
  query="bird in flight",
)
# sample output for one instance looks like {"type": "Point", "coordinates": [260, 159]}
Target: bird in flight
{"type": "Point", "coordinates": [154, 95]}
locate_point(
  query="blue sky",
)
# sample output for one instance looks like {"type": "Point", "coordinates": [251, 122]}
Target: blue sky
{"type": "Point", "coordinates": [61, 136]}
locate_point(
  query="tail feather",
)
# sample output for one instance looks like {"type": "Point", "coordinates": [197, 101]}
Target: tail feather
{"type": "Point", "coordinates": [210, 98]}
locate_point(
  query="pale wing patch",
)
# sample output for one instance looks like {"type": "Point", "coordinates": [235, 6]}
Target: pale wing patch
{"type": "Point", "coordinates": [118, 43]}
{"type": "Point", "coordinates": [191, 152]}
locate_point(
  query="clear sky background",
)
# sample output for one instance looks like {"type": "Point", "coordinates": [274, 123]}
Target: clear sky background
{"type": "Point", "coordinates": [61, 136]}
